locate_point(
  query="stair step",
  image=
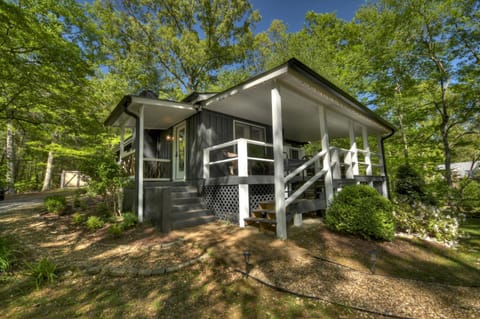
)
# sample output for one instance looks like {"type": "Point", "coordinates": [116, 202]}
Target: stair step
{"type": "Point", "coordinates": [191, 213]}
{"type": "Point", "coordinates": [184, 194]}
{"type": "Point", "coordinates": [269, 205]}
{"type": "Point", "coordinates": [186, 200]}
{"type": "Point", "coordinates": [194, 221]}
{"type": "Point", "coordinates": [183, 189]}
{"type": "Point", "coordinates": [186, 207]}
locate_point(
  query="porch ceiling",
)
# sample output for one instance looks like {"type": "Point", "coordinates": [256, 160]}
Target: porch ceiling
{"type": "Point", "coordinates": [158, 114]}
{"type": "Point", "coordinates": [301, 98]}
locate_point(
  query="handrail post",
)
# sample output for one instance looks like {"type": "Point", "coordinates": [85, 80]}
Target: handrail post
{"type": "Point", "coordinates": [336, 164]}
{"type": "Point", "coordinates": [206, 164]}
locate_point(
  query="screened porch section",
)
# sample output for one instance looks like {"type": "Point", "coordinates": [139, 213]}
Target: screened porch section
{"type": "Point", "coordinates": [157, 163]}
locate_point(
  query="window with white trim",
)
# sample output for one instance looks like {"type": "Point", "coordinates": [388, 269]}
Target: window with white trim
{"type": "Point", "coordinates": [248, 131]}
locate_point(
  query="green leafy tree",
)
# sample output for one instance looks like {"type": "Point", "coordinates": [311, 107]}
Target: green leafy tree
{"type": "Point", "coordinates": [173, 46]}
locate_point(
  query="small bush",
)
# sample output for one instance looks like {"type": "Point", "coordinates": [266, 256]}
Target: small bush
{"type": "Point", "coordinates": [7, 256]}
{"type": "Point", "coordinates": [361, 210]}
{"type": "Point", "coordinates": [95, 222]}
{"type": "Point", "coordinates": [427, 221]}
{"type": "Point", "coordinates": [470, 196]}
{"type": "Point", "coordinates": [42, 272]}
{"type": "Point", "coordinates": [129, 220]}
{"type": "Point", "coordinates": [116, 230]}
{"type": "Point", "coordinates": [78, 218]}
{"type": "Point", "coordinates": [55, 204]}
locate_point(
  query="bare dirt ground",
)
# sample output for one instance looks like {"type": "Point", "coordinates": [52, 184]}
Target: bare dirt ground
{"type": "Point", "coordinates": [297, 264]}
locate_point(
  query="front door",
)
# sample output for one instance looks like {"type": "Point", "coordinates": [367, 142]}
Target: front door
{"type": "Point", "coordinates": [179, 144]}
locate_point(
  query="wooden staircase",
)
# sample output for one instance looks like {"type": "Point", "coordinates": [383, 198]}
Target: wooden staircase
{"type": "Point", "coordinates": [263, 217]}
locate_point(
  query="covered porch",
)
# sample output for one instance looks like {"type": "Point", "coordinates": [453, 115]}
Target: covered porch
{"type": "Point", "coordinates": [301, 107]}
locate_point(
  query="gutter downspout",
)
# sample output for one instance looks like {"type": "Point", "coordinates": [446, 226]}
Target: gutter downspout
{"type": "Point", "coordinates": [126, 103]}
{"type": "Point", "coordinates": [385, 162]}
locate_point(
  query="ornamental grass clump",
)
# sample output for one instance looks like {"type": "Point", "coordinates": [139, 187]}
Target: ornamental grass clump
{"type": "Point", "coordinates": [361, 210]}
{"type": "Point", "coordinates": [7, 257]}
{"type": "Point", "coordinates": [42, 272]}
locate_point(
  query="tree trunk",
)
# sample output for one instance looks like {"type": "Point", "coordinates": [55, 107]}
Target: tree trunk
{"type": "Point", "coordinates": [10, 174]}
{"type": "Point", "coordinates": [48, 173]}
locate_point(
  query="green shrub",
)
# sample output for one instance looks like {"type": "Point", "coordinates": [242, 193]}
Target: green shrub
{"type": "Point", "coordinates": [116, 230]}
{"type": "Point", "coordinates": [55, 204]}
{"type": "Point", "coordinates": [95, 222]}
{"type": "Point", "coordinates": [42, 272]}
{"type": "Point", "coordinates": [361, 210]}
{"type": "Point", "coordinates": [129, 220]}
{"type": "Point", "coordinates": [78, 218]}
{"type": "Point", "coordinates": [469, 196]}
{"type": "Point", "coordinates": [7, 256]}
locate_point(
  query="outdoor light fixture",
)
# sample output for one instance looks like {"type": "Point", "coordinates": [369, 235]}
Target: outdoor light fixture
{"type": "Point", "coordinates": [246, 255]}
{"type": "Point", "coordinates": [169, 138]}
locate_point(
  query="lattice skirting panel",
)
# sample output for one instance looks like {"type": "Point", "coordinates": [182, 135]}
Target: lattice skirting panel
{"type": "Point", "coordinates": [260, 193]}
{"type": "Point", "coordinates": [222, 200]}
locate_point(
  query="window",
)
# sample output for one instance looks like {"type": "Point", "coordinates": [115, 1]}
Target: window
{"type": "Point", "coordinates": [248, 131]}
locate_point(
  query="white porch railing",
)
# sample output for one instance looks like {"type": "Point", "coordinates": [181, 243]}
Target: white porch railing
{"type": "Point", "coordinates": [236, 153]}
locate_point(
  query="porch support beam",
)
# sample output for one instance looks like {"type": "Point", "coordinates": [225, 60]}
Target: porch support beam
{"type": "Point", "coordinates": [383, 171]}
{"type": "Point", "coordinates": [122, 143]}
{"type": "Point", "coordinates": [367, 155]}
{"type": "Point", "coordinates": [326, 159]}
{"type": "Point", "coordinates": [140, 146]}
{"type": "Point", "coordinates": [277, 127]}
{"type": "Point", "coordinates": [243, 192]}
{"type": "Point", "coordinates": [353, 169]}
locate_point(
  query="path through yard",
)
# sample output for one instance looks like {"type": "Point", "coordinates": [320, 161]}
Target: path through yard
{"type": "Point", "coordinates": [145, 253]}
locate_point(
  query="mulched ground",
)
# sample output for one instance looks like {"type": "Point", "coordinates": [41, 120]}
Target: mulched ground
{"type": "Point", "coordinates": [288, 264]}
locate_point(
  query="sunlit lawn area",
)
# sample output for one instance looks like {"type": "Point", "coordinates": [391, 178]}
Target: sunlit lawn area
{"type": "Point", "coordinates": [212, 289]}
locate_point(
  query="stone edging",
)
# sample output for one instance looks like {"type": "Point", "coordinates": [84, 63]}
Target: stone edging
{"type": "Point", "coordinates": [135, 272]}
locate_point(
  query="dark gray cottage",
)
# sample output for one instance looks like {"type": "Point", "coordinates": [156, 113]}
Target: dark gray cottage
{"type": "Point", "coordinates": [230, 152]}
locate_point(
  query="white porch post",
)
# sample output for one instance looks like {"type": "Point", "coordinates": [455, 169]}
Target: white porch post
{"type": "Point", "coordinates": [122, 144]}
{"type": "Point", "coordinates": [279, 177]}
{"type": "Point", "coordinates": [243, 194]}
{"type": "Point", "coordinates": [353, 152]}
{"type": "Point", "coordinates": [140, 136]}
{"type": "Point", "coordinates": [366, 148]}
{"type": "Point", "coordinates": [326, 160]}
{"type": "Point", "coordinates": [383, 171]}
